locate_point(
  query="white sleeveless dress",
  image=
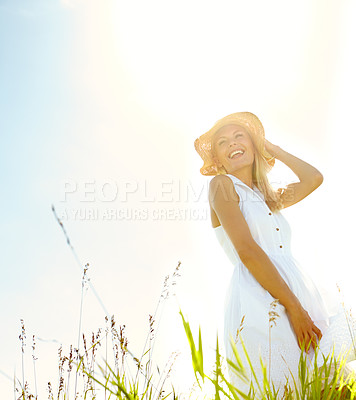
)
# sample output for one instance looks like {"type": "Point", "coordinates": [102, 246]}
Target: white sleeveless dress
{"type": "Point", "coordinates": [246, 297]}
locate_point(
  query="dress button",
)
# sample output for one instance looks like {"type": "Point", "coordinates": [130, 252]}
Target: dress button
{"type": "Point", "coordinates": [277, 229]}
{"type": "Point", "coordinates": [269, 213]}
{"type": "Point", "coordinates": [280, 246]}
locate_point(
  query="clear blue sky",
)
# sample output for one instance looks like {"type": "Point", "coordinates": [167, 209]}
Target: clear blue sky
{"type": "Point", "coordinates": [116, 91]}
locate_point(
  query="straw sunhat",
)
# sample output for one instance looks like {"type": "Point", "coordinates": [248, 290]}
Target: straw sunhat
{"type": "Point", "coordinates": [203, 145]}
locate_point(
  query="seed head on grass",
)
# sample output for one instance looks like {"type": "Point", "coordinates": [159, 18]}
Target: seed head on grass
{"type": "Point", "coordinates": [273, 315]}
{"type": "Point", "coordinates": [137, 361]}
{"type": "Point", "coordinates": [34, 359]}
{"type": "Point", "coordinates": [61, 361]}
{"type": "Point", "coordinates": [61, 386]}
{"type": "Point", "coordinates": [85, 278]}
{"type": "Point", "coordinates": [123, 345]}
{"type": "Point", "coordinates": [151, 322]}
{"type": "Point", "coordinates": [115, 339]}
{"type": "Point", "coordinates": [50, 391]}
{"type": "Point", "coordinates": [169, 282]}
{"type": "Point", "coordinates": [287, 394]}
{"type": "Point", "coordinates": [240, 328]}
{"type": "Point", "coordinates": [120, 343]}
{"type": "Point", "coordinates": [176, 274]}
{"type": "Point", "coordinates": [165, 291]}
{"type": "Point", "coordinates": [85, 348]}
{"type": "Point", "coordinates": [25, 393]}
{"type": "Point", "coordinates": [22, 338]}
{"type": "Point", "coordinates": [123, 340]}
{"type": "Point", "coordinates": [95, 343]}
{"type": "Point", "coordinates": [70, 359]}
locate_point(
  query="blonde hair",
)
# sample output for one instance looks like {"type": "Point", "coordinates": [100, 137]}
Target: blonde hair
{"type": "Point", "coordinates": [260, 169]}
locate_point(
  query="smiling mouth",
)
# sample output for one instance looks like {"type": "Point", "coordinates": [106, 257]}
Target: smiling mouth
{"type": "Point", "coordinates": [236, 154]}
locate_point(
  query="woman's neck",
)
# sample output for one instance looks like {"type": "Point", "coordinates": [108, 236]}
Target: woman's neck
{"type": "Point", "coordinates": [246, 179]}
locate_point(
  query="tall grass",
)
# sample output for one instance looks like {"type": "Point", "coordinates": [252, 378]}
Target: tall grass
{"type": "Point", "coordinates": [327, 382]}
{"type": "Point", "coordinates": [105, 380]}
{"type": "Point", "coordinates": [121, 373]}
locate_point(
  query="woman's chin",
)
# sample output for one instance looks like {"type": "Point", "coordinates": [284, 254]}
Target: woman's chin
{"type": "Point", "coordinates": [237, 167]}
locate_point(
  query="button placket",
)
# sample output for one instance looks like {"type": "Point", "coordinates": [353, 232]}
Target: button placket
{"type": "Point", "coordinates": [280, 246]}
{"type": "Point", "coordinates": [277, 229]}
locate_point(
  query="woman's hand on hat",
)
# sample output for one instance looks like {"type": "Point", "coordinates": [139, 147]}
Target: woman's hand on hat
{"type": "Point", "coordinates": [272, 149]}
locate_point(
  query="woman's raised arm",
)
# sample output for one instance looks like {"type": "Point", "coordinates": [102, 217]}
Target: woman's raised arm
{"type": "Point", "coordinates": [310, 178]}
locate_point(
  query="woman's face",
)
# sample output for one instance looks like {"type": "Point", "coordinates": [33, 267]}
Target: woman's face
{"type": "Point", "coordinates": [233, 148]}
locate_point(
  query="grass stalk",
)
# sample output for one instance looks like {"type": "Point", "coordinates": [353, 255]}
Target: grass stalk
{"type": "Point", "coordinates": [22, 338]}
{"type": "Point", "coordinates": [80, 320]}
{"type": "Point", "coordinates": [34, 358]}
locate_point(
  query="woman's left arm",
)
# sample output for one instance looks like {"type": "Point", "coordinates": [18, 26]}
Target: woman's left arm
{"type": "Point", "coordinates": [310, 178]}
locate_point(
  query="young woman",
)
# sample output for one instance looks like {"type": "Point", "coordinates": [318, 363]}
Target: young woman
{"type": "Point", "coordinates": [246, 217]}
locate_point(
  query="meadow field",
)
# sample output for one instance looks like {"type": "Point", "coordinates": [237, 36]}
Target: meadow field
{"type": "Point", "coordinates": [101, 366]}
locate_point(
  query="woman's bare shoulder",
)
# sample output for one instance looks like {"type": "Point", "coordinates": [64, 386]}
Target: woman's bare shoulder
{"type": "Point", "coordinates": [220, 180]}
{"type": "Point", "coordinates": [223, 185]}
